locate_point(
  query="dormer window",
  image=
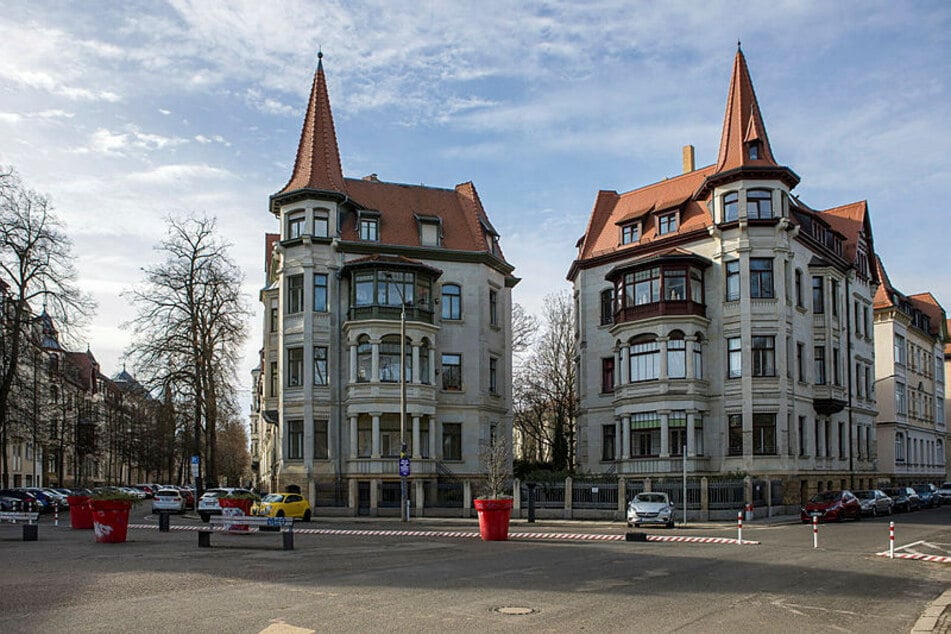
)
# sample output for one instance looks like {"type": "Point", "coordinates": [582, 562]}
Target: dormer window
{"type": "Point", "coordinates": [667, 223]}
{"type": "Point", "coordinates": [759, 204]}
{"type": "Point", "coordinates": [753, 149]}
{"type": "Point", "coordinates": [295, 225]}
{"type": "Point", "coordinates": [368, 225]}
{"type": "Point", "coordinates": [430, 230]}
{"type": "Point", "coordinates": [731, 206]}
{"type": "Point", "coordinates": [630, 233]}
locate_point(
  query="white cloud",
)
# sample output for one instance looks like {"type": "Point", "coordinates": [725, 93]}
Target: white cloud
{"type": "Point", "coordinates": [168, 174]}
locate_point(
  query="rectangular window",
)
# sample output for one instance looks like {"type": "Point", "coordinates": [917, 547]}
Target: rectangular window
{"type": "Point", "coordinates": [866, 323]}
{"type": "Point", "coordinates": [630, 233]}
{"type": "Point", "coordinates": [295, 440]}
{"type": "Point", "coordinates": [295, 294]}
{"type": "Point", "coordinates": [493, 375]}
{"type": "Point", "coordinates": [452, 371]}
{"type": "Point", "coordinates": [800, 362]}
{"type": "Point", "coordinates": [736, 434]}
{"type": "Point", "coordinates": [645, 361]}
{"type": "Point", "coordinates": [272, 391]}
{"type": "Point", "coordinates": [676, 359]}
{"type": "Point", "coordinates": [321, 224]}
{"type": "Point", "coordinates": [607, 374]}
{"type": "Point", "coordinates": [764, 434]}
{"type": "Point", "coordinates": [834, 290]}
{"type": "Point", "coordinates": [647, 286]}
{"type": "Point", "coordinates": [901, 404]}
{"type": "Point", "coordinates": [452, 441]}
{"type": "Point", "coordinates": [759, 202]}
{"type": "Point", "coordinates": [389, 437]}
{"type": "Point", "coordinates": [858, 320]}
{"type": "Point", "coordinates": [608, 442]}
{"type": "Point", "coordinates": [858, 380]}
{"type": "Point", "coordinates": [900, 354]}
{"type": "Point", "coordinates": [295, 226]}
{"type": "Point", "coordinates": [764, 356]}
{"type": "Point", "coordinates": [675, 285]}
{"type": "Point", "coordinates": [364, 437]}
{"type": "Point", "coordinates": [667, 224]}
{"type": "Point", "coordinates": [732, 280]}
{"type": "Point", "coordinates": [429, 233]}
{"type": "Point", "coordinates": [295, 367]}
{"type": "Point", "coordinates": [697, 360]}
{"type": "Point", "coordinates": [818, 296]}
{"type": "Point", "coordinates": [802, 435]}
{"type": "Point", "coordinates": [761, 278]}
{"type": "Point", "coordinates": [607, 307]}
{"type": "Point", "coordinates": [841, 440]}
{"type": "Point", "coordinates": [320, 292]}
{"type": "Point", "coordinates": [273, 316]}
{"type": "Point", "coordinates": [493, 308]}
{"type": "Point", "coordinates": [798, 287]}
{"type": "Point", "coordinates": [320, 365]}
{"type": "Point", "coordinates": [321, 446]}
{"type": "Point", "coordinates": [820, 365]}
{"type": "Point", "coordinates": [836, 373]}
{"type": "Point", "coordinates": [734, 357]}
{"type": "Point", "coordinates": [369, 229]}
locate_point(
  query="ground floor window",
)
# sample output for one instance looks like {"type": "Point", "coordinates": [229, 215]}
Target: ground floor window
{"type": "Point", "coordinates": [764, 434]}
{"type": "Point", "coordinates": [295, 440]}
{"type": "Point", "coordinates": [608, 441]}
{"type": "Point", "coordinates": [735, 434]}
{"type": "Point", "coordinates": [320, 440]}
{"type": "Point", "coordinates": [452, 441]}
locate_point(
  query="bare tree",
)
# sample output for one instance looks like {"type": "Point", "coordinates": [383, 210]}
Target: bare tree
{"type": "Point", "coordinates": [36, 270]}
{"type": "Point", "coordinates": [524, 328]}
{"type": "Point", "coordinates": [234, 462]}
{"type": "Point", "coordinates": [189, 327]}
{"type": "Point", "coordinates": [545, 394]}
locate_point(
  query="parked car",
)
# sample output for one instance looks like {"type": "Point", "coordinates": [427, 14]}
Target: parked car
{"type": "Point", "coordinates": [905, 499]}
{"type": "Point", "coordinates": [874, 502]}
{"type": "Point", "coordinates": [208, 504]}
{"type": "Point", "coordinates": [169, 500]}
{"type": "Point", "coordinates": [650, 508]}
{"type": "Point", "coordinates": [27, 501]}
{"type": "Point", "coordinates": [146, 489]}
{"type": "Point", "coordinates": [927, 495]}
{"type": "Point", "coordinates": [43, 501]}
{"type": "Point", "coordinates": [188, 496]}
{"type": "Point", "coordinates": [832, 506]}
{"type": "Point", "coordinates": [283, 505]}
{"type": "Point", "coordinates": [8, 503]}
{"type": "Point", "coordinates": [944, 493]}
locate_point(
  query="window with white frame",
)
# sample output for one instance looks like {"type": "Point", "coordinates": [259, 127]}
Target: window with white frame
{"type": "Point", "coordinates": [630, 233]}
{"type": "Point", "coordinates": [901, 402]}
{"type": "Point", "coordinates": [734, 357]}
{"type": "Point", "coordinates": [295, 367]}
{"type": "Point", "coordinates": [321, 223]}
{"type": "Point", "coordinates": [759, 204]}
{"type": "Point", "coordinates": [676, 357]}
{"type": "Point", "coordinates": [731, 206]}
{"type": "Point", "coordinates": [667, 223]}
{"type": "Point", "coordinates": [732, 269]}
{"type": "Point", "coordinates": [369, 229]}
{"type": "Point", "coordinates": [295, 225]}
{"type": "Point", "coordinates": [645, 364]}
{"type": "Point", "coordinates": [764, 356]}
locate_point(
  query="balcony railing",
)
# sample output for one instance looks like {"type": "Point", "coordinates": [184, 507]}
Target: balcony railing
{"type": "Point", "coordinates": [671, 308]}
{"type": "Point", "coordinates": [381, 311]}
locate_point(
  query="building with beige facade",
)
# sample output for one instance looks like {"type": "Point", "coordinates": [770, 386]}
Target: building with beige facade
{"type": "Point", "coordinates": [354, 262]}
{"type": "Point", "coordinates": [721, 316]}
{"type": "Point", "coordinates": [910, 337]}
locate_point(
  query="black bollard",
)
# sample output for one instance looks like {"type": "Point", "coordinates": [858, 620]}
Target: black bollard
{"type": "Point", "coordinates": [531, 502]}
{"type": "Point", "coordinates": [163, 521]}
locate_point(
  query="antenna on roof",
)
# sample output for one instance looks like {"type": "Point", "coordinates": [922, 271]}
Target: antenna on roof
{"type": "Point", "coordinates": [738, 44]}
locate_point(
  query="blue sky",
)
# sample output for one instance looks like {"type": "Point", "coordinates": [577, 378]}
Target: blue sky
{"type": "Point", "coordinates": [126, 112]}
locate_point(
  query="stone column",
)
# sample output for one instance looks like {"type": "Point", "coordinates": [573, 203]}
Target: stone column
{"type": "Point", "coordinates": [353, 362]}
{"type": "Point", "coordinates": [625, 437]}
{"type": "Point", "coordinates": [375, 361]}
{"type": "Point", "coordinates": [415, 358]}
{"type": "Point", "coordinates": [416, 454]}
{"type": "Point", "coordinates": [664, 433]}
{"type": "Point", "coordinates": [354, 449]}
{"type": "Point", "coordinates": [625, 364]}
{"type": "Point", "coordinates": [432, 438]}
{"type": "Point", "coordinates": [689, 342]}
{"type": "Point", "coordinates": [691, 433]}
{"type": "Point", "coordinates": [375, 452]}
{"type": "Point", "coordinates": [432, 367]}
{"type": "Point", "coordinates": [662, 366]}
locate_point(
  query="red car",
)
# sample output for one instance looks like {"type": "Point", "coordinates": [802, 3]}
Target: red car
{"type": "Point", "coordinates": [832, 506]}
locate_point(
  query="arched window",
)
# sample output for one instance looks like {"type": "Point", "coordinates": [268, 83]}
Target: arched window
{"type": "Point", "coordinates": [424, 362]}
{"type": "Point", "coordinates": [731, 206]}
{"type": "Point", "coordinates": [390, 359]}
{"type": "Point", "coordinates": [759, 204]}
{"type": "Point", "coordinates": [645, 353]}
{"type": "Point", "coordinates": [364, 359]}
{"type": "Point", "coordinates": [676, 356]}
{"type": "Point", "coordinates": [451, 302]}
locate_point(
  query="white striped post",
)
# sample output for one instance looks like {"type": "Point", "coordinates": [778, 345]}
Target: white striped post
{"type": "Point", "coordinates": [891, 540]}
{"type": "Point", "coordinates": [739, 527]}
{"type": "Point", "coordinates": [815, 531]}
{"type": "Point", "coordinates": [55, 514]}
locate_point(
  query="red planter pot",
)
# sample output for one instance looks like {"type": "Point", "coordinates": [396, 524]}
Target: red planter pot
{"type": "Point", "coordinates": [110, 520]}
{"type": "Point", "coordinates": [494, 518]}
{"type": "Point", "coordinates": [236, 508]}
{"type": "Point", "coordinates": [80, 511]}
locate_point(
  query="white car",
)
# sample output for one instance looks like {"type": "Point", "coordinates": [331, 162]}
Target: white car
{"type": "Point", "coordinates": [208, 504]}
{"type": "Point", "coordinates": [944, 493]}
{"type": "Point", "coordinates": [650, 508]}
{"type": "Point", "coordinates": [168, 500]}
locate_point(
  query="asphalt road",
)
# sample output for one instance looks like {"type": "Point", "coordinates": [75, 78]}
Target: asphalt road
{"type": "Point", "coordinates": [162, 582]}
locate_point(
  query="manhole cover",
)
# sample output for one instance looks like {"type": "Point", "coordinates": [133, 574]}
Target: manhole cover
{"type": "Point", "coordinates": [514, 611]}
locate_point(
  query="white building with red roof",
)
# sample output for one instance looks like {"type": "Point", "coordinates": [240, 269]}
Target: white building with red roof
{"type": "Point", "coordinates": [720, 316]}
{"type": "Point", "coordinates": [349, 255]}
{"type": "Point", "coordinates": [910, 336]}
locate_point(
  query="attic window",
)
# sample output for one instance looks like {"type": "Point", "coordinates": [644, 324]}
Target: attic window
{"type": "Point", "coordinates": [667, 223]}
{"type": "Point", "coordinates": [630, 233]}
{"type": "Point", "coordinates": [753, 149]}
{"type": "Point", "coordinates": [368, 226]}
{"type": "Point", "coordinates": [430, 233]}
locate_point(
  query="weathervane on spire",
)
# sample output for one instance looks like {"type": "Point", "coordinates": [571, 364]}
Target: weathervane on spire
{"type": "Point", "coordinates": [737, 44]}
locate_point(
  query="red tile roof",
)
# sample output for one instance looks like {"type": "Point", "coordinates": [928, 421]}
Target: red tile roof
{"type": "Point", "coordinates": [926, 303]}
{"type": "Point", "coordinates": [885, 290]}
{"type": "Point", "coordinates": [742, 123]}
{"type": "Point", "coordinates": [850, 220]}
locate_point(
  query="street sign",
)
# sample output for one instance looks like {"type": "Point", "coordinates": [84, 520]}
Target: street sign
{"type": "Point", "coordinates": [404, 467]}
{"type": "Point", "coordinates": [195, 462]}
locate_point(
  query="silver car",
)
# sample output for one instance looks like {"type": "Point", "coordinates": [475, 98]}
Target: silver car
{"type": "Point", "coordinates": [650, 508]}
{"type": "Point", "coordinates": [874, 502]}
{"type": "Point", "coordinates": [168, 500]}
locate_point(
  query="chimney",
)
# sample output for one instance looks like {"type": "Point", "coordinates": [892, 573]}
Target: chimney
{"type": "Point", "coordinates": [689, 164]}
{"type": "Point", "coordinates": [372, 178]}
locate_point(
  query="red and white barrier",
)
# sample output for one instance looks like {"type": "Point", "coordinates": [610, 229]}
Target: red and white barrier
{"type": "Point", "coordinates": [55, 514]}
{"type": "Point", "coordinates": [815, 531]}
{"type": "Point", "coordinates": [891, 540]}
{"type": "Point", "coordinates": [739, 527]}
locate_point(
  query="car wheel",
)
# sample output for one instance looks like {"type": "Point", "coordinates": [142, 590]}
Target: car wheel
{"type": "Point", "coordinates": [205, 517]}
{"type": "Point", "coordinates": [670, 524]}
{"type": "Point", "coordinates": [307, 515]}
{"type": "Point", "coordinates": [279, 514]}
{"type": "Point", "coordinates": [636, 525]}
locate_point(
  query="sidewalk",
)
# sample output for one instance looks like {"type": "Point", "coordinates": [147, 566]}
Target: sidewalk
{"type": "Point", "coordinates": [937, 616]}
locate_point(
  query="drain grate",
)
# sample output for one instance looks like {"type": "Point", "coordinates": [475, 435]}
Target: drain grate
{"type": "Point", "coordinates": [514, 611]}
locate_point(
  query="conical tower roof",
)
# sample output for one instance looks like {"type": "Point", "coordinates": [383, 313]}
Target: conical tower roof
{"type": "Point", "coordinates": [743, 124]}
{"type": "Point", "coordinates": [318, 158]}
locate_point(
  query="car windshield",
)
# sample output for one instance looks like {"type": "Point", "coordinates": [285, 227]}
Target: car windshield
{"type": "Point", "coordinates": [273, 497]}
{"type": "Point", "coordinates": [651, 498]}
{"type": "Point", "coordinates": [165, 492]}
{"type": "Point", "coordinates": [922, 488]}
{"type": "Point", "coordinates": [213, 493]}
{"type": "Point", "coordinates": [828, 496]}
{"type": "Point", "coordinates": [865, 495]}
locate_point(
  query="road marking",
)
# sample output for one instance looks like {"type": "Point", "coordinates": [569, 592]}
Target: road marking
{"type": "Point", "coordinates": [284, 628]}
{"type": "Point", "coordinates": [916, 556]}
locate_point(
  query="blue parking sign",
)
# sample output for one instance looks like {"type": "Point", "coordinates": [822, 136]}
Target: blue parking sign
{"type": "Point", "coordinates": [404, 467]}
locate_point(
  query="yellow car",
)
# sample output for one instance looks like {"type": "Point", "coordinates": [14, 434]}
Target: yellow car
{"type": "Point", "coordinates": [283, 505]}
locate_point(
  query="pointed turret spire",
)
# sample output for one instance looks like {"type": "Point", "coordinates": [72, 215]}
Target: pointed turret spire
{"type": "Point", "coordinates": [318, 158]}
{"type": "Point", "coordinates": [744, 141]}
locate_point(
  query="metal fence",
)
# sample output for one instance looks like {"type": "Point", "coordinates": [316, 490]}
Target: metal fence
{"type": "Point", "coordinates": [331, 494]}
{"type": "Point", "coordinates": [675, 491]}
{"type": "Point", "coordinates": [548, 495]}
{"type": "Point", "coordinates": [726, 494]}
{"type": "Point", "coordinates": [389, 495]}
{"type": "Point", "coordinates": [594, 495]}
{"type": "Point", "coordinates": [449, 495]}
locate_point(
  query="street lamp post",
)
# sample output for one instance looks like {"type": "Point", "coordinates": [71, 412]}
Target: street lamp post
{"type": "Point", "coordinates": [404, 494]}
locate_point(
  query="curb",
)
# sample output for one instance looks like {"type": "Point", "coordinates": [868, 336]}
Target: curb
{"type": "Point", "coordinates": [935, 610]}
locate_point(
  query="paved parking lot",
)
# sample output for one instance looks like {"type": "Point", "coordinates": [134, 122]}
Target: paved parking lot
{"type": "Point", "coordinates": [347, 582]}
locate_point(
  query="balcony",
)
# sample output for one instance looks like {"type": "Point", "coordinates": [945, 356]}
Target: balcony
{"type": "Point", "coordinates": [663, 308]}
{"type": "Point", "coordinates": [656, 465]}
{"type": "Point", "coordinates": [390, 467]}
{"type": "Point", "coordinates": [392, 313]}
